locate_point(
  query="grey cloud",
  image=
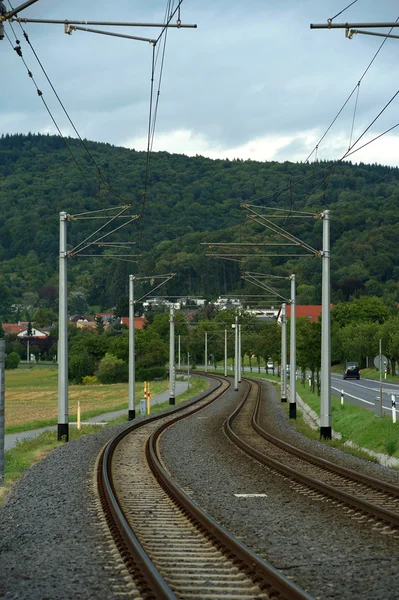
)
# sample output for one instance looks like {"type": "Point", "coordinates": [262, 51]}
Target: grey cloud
{"type": "Point", "coordinates": [248, 71]}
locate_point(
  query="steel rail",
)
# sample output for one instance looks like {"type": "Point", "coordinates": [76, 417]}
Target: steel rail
{"type": "Point", "coordinates": [384, 515]}
{"type": "Point", "coordinates": [148, 577]}
{"type": "Point", "coordinates": [130, 548]}
{"type": "Point", "coordinates": [256, 567]}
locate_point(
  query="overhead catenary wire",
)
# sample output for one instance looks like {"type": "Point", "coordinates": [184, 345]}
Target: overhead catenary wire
{"type": "Point", "coordinates": [153, 110]}
{"type": "Point", "coordinates": [99, 172]}
{"type": "Point", "coordinates": [351, 150]}
{"type": "Point", "coordinates": [342, 11]}
{"type": "Point", "coordinates": [356, 88]}
{"type": "Point", "coordinates": [18, 50]}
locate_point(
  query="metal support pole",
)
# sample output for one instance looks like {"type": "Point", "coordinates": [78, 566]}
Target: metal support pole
{"type": "Point", "coordinates": [188, 370]}
{"type": "Point", "coordinates": [179, 353]}
{"type": "Point", "coordinates": [293, 350]}
{"type": "Point", "coordinates": [380, 379]}
{"type": "Point", "coordinates": [63, 426]}
{"type": "Point", "coordinates": [225, 352]}
{"type": "Point", "coordinates": [2, 408]}
{"type": "Point", "coordinates": [206, 352]}
{"type": "Point", "coordinates": [325, 400]}
{"type": "Point", "coordinates": [172, 382]}
{"type": "Point", "coordinates": [283, 353]}
{"type": "Point", "coordinates": [27, 352]}
{"type": "Point", "coordinates": [239, 354]}
{"type": "Point", "coordinates": [236, 355]}
{"type": "Point", "coordinates": [132, 371]}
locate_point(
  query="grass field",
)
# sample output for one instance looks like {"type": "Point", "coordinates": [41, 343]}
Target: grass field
{"type": "Point", "coordinates": [27, 452]}
{"type": "Point", "coordinates": [31, 399]}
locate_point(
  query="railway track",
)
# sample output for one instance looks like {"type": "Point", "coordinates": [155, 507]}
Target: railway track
{"type": "Point", "coordinates": [171, 547]}
{"type": "Point", "coordinates": [364, 498]}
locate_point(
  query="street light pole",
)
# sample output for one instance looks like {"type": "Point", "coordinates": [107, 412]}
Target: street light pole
{"type": "Point", "coordinates": [2, 409]}
{"type": "Point", "coordinates": [225, 352]}
{"type": "Point", "coordinates": [236, 355]}
{"type": "Point", "coordinates": [325, 402]}
{"type": "Point", "coordinates": [132, 373]}
{"type": "Point", "coordinates": [239, 354]}
{"type": "Point", "coordinates": [293, 350]}
{"type": "Point", "coordinates": [179, 353]}
{"type": "Point", "coordinates": [172, 383]}
{"type": "Point", "coordinates": [283, 353]}
{"type": "Point", "coordinates": [63, 426]}
{"type": "Point", "coordinates": [206, 352]}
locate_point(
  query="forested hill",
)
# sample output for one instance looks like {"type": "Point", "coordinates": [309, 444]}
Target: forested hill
{"type": "Point", "coordinates": [189, 200]}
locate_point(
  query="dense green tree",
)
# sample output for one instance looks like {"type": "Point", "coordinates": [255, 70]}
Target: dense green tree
{"type": "Point", "coordinates": [44, 317]}
{"type": "Point", "coordinates": [12, 360]}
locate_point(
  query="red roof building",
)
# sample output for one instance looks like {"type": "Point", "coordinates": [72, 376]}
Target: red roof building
{"type": "Point", "coordinates": [13, 328]}
{"type": "Point", "coordinates": [139, 322]}
{"type": "Point", "coordinates": [306, 311]}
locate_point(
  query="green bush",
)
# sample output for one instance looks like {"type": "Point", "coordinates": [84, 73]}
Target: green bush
{"type": "Point", "coordinates": [12, 360]}
{"type": "Point", "coordinates": [112, 370]}
{"type": "Point", "coordinates": [80, 365]}
{"type": "Point", "coordinates": [390, 447]}
{"type": "Point", "coordinates": [89, 380]}
{"type": "Point", "coordinates": [150, 373]}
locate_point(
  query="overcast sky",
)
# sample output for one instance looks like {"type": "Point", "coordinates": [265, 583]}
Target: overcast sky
{"type": "Point", "coordinates": [252, 81]}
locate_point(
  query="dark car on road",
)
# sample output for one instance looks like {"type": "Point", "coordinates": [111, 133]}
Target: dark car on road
{"type": "Point", "coordinates": [351, 370]}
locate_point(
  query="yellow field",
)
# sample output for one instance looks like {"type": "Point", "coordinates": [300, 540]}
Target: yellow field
{"type": "Point", "coordinates": [31, 396]}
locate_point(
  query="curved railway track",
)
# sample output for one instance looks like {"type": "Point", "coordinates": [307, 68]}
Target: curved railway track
{"type": "Point", "coordinates": [170, 546]}
{"type": "Point", "coordinates": [364, 498]}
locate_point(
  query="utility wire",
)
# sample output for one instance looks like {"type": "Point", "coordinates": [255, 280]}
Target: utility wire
{"type": "Point", "coordinates": [18, 50]}
{"type": "Point", "coordinates": [354, 115]}
{"type": "Point", "coordinates": [99, 172]}
{"type": "Point", "coordinates": [340, 13]}
{"type": "Point", "coordinates": [153, 110]}
{"type": "Point", "coordinates": [351, 148]}
{"type": "Point", "coordinates": [356, 88]}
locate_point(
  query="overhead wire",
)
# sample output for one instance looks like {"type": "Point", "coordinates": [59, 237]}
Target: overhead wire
{"type": "Point", "coordinates": [351, 150]}
{"type": "Point", "coordinates": [356, 88]}
{"type": "Point", "coordinates": [342, 11]}
{"type": "Point", "coordinates": [18, 50]}
{"type": "Point", "coordinates": [153, 107]}
{"type": "Point", "coordinates": [99, 172]}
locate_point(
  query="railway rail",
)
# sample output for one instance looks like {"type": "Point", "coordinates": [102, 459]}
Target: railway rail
{"type": "Point", "coordinates": [170, 546]}
{"type": "Point", "coordinates": [364, 497]}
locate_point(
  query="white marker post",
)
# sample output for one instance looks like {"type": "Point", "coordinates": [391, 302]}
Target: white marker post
{"type": "Point", "coordinates": [393, 400]}
{"type": "Point", "coordinates": [342, 397]}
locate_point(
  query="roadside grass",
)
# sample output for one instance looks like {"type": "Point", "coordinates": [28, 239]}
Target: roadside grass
{"type": "Point", "coordinates": [31, 398]}
{"type": "Point", "coordinates": [27, 452]}
{"type": "Point", "coordinates": [357, 424]}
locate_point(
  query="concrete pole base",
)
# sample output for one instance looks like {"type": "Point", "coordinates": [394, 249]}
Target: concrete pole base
{"type": "Point", "coordinates": [172, 401]}
{"type": "Point", "coordinates": [131, 415]}
{"type": "Point", "coordinates": [283, 398]}
{"type": "Point", "coordinates": [63, 432]}
{"type": "Point", "coordinates": [292, 410]}
{"type": "Point", "coordinates": [325, 433]}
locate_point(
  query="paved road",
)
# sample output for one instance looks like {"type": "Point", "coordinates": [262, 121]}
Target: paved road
{"type": "Point", "coordinates": [363, 392]}
{"type": "Point", "coordinates": [11, 439]}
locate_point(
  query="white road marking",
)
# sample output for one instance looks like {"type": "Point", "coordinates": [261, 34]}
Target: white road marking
{"type": "Point", "coordinates": [371, 389]}
{"type": "Point", "coordinates": [352, 396]}
{"type": "Point", "coordinates": [250, 495]}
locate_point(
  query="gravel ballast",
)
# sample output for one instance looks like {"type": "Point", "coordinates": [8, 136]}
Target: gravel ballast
{"type": "Point", "coordinates": [53, 544]}
{"type": "Point", "coordinates": [326, 552]}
